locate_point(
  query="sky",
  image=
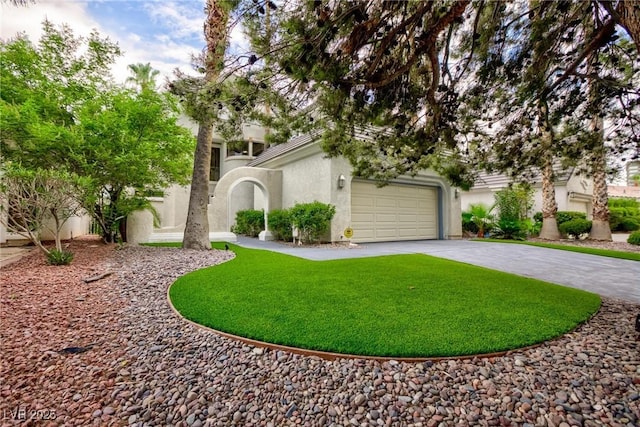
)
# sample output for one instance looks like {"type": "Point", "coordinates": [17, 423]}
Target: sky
{"type": "Point", "coordinates": [165, 33]}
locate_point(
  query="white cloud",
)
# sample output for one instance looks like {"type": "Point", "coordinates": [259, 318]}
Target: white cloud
{"type": "Point", "coordinates": [173, 35]}
{"type": "Point", "coordinates": [14, 19]}
{"type": "Point", "coordinates": [181, 18]}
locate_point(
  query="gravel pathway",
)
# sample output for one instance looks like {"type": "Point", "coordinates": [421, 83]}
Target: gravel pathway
{"type": "Point", "coordinates": [147, 366]}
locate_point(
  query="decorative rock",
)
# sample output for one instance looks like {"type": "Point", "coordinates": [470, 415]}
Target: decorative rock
{"type": "Point", "coordinates": [360, 399]}
{"type": "Point", "coordinates": [150, 367]}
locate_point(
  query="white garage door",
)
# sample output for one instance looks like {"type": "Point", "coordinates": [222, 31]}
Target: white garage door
{"type": "Point", "coordinates": [394, 212]}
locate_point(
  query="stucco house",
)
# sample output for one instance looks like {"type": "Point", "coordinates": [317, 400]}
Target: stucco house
{"type": "Point", "coordinates": [574, 191]}
{"type": "Point", "coordinates": [257, 177]}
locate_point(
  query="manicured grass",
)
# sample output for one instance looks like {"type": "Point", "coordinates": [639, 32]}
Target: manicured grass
{"type": "Point", "coordinates": [400, 305]}
{"type": "Point", "coordinates": [633, 256]}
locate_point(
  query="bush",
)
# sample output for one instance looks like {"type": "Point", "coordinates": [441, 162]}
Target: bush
{"type": "Point", "coordinates": [634, 239]}
{"type": "Point", "coordinates": [510, 230]}
{"type": "Point", "coordinates": [514, 202]}
{"type": "Point", "coordinates": [249, 222]}
{"type": "Point", "coordinates": [56, 257]}
{"type": "Point", "coordinates": [575, 227]}
{"type": "Point", "coordinates": [312, 219]}
{"type": "Point", "coordinates": [624, 202]}
{"type": "Point", "coordinates": [481, 216]}
{"type": "Point", "coordinates": [624, 218]}
{"type": "Point", "coordinates": [565, 216]}
{"type": "Point", "coordinates": [630, 223]}
{"type": "Point", "coordinates": [616, 216]}
{"type": "Point", "coordinates": [467, 223]}
{"type": "Point", "coordinates": [538, 217]}
{"type": "Point", "coordinates": [280, 224]}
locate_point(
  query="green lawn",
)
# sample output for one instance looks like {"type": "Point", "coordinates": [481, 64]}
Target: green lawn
{"type": "Point", "coordinates": [400, 305]}
{"type": "Point", "coordinates": [633, 256]}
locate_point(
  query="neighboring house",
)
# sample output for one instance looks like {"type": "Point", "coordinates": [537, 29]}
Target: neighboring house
{"type": "Point", "coordinates": [632, 191]}
{"type": "Point", "coordinates": [633, 170]}
{"type": "Point", "coordinates": [573, 191]}
{"type": "Point", "coordinates": [256, 177]}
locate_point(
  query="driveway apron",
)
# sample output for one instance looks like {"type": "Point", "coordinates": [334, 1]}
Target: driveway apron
{"type": "Point", "coordinates": [605, 276]}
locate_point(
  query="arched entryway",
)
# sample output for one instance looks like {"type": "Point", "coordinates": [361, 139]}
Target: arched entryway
{"type": "Point", "coordinates": [269, 182]}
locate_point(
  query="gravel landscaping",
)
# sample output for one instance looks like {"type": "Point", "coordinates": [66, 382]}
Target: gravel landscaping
{"type": "Point", "coordinates": [130, 360]}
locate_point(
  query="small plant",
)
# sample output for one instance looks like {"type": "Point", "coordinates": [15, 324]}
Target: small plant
{"type": "Point", "coordinates": [56, 257]}
{"type": "Point", "coordinates": [280, 224]}
{"type": "Point", "coordinates": [482, 218]}
{"type": "Point", "coordinates": [634, 238]}
{"type": "Point", "coordinates": [312, 219]}
{"type": "Point", "coordinates": [249, 222]}
{"type": "Point", "coordinates": [510, 230]}
{"type": "Point", "coordinates": [575, 227]}
{"type": "Point", "coordinates": [467, 223]}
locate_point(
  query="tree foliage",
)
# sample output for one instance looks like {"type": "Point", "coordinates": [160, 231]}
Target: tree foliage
{"type": "Point", "coordinates": [60, 110]}
{"type": "Point", "coordinates": [143, 76]}
{"type": "Point", "coordinates": [450, 85]}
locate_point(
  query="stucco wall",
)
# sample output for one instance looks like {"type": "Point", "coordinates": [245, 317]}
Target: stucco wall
{"type": "Point", "coordinates": [340, 198]}
{"type": "Point", "coordinates": [306, 180]}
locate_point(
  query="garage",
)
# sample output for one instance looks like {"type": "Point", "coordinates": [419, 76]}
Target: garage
{"type": "Point", "coordinates": [394, 212]}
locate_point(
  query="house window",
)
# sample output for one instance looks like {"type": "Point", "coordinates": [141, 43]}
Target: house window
{"type": "Point", "coordinates": [257, 148]}
{"type": "Point", "coordinates": [245, 148]}
{"type": "Point", "coordinates": [239, 148]}
{"type": "Point", "coordinates": [214, 172]}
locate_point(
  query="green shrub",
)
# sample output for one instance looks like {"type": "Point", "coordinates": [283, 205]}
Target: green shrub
{"type": "Point", "coordinates": [249, 222]}
{"type": "Point", "coordinates": [624, 218]}
{"type": "Point", "coordinates": [56, 257]}
{"type": "Point", "coordinates": [514, 202]}
{"type": "Point", "coordinates": [616, 216]}
{"type": "Point", "coordinates": [565, 216]}
{"type": "Point", "coordinates": [538, 217]}
{"type": "Point", "coordinates": [634, 238]}
{"type": "Point", "coordinates": [531, 227]}
{"type": "Point", "coordinates": [630, 223]}
{"type": "Point", "coordinates": [575, 227]}
{"type": "Point", "coordinates": [312, 219]}
{"type": "Point", "coordinates": [510, 230]}
{"type": "Point", "coordinates": [280, 224]}
{"type": "Point", "coordinates": [624, 202]}
{"type": "Point", "coordinates": [482, 217]}
{"type": "Point", "coordinates": [468, 224]}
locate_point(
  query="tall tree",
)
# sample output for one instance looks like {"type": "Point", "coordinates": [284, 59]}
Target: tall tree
{"type": "Point", "coordinates": [143, 76]}
{"type": "Point", "coordinates": [198, 96]}
{"type": "Point", "coordinates": [60, 110]}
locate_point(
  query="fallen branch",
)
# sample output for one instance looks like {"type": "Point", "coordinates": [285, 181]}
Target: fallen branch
{"type": "Point", "coordinates": [98, 277]}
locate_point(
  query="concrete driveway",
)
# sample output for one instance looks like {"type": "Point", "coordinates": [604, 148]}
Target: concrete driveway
{"type": "Point", "coordinates": [605, 276]}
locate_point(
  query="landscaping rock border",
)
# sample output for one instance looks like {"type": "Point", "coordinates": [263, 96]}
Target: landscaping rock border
{"type": "Point", "coordinates": [147, 366]}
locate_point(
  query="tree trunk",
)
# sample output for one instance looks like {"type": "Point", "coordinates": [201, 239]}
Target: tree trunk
{"type": "Point", "coordinates": [629, 18]}
{"type": "Point", "coordinates": [196, 232]}
{"type": "Point", "coordinates": [600, 228]}
{"type": "Point", "coordinates": [549, 229]}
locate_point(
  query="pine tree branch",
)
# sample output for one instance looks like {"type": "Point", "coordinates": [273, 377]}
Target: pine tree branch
{"type": "Point", "coordinates": [600, 39]}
